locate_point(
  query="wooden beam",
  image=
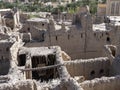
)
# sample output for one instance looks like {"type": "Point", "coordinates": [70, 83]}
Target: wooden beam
{"type": "Point", "coordinates": [42, 68]}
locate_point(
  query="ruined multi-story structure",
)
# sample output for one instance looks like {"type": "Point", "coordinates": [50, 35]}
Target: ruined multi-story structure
{"type": "Point", "coordinates": [80, 38]}
{"type": "Point", "coordinates": [59, 52]}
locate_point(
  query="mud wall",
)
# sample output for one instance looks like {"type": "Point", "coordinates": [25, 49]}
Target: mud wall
{"type": "Point", "coordinates": [104, 83]}
{"type": "Point", "coordinates": [89, 68]}
{"type": "Point", "coordinates": [21, 85]}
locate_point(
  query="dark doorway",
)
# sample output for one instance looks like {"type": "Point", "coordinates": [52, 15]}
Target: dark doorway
{"type": "Point", "coordinates": [42, 61]}
{"type": "Point", "coordinates": [113, 52]}
{"type": "Point", "coordinates": [108, 39]}
{"type": "Point", "coordinates": [92, 74]}
{"type": "Point", "coordinates": [38, 61]}
{"type": "Point", "coordinates": [22, 60]}
{"type": "Point", "coordinates": [42, 36]}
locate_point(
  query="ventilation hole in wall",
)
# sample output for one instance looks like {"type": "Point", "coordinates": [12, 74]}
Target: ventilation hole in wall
{"type": "Point", "coordinates": [56, 38]}
{"type": "Point", "coordinates": [92, 73]}
{"type": "Point", "coordinates": [28, 29]}
{"type": "Point", "coordinates": [43, 24]}
{"type": "Point", "coordinates": [1, 57]}
{"type": "Point", "coordinates": [81, 35]}
{"type": "Point", "coordinates": [107, 33]}
{"type": "Point", "coordinates": [101, 71]}
{"type": "Point", "coordinates": [108, 39]}
{"type": "Point", "coordinates": [68, 37]}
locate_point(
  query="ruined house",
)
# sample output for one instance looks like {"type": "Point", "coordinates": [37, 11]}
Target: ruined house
{"type": "Point", "coordinates": [10, 18]}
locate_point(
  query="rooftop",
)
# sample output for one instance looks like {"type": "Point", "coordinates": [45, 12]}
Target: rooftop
{"type": "Point", "coordinates": [38, 20]}
{"type": "Point", "coordinates": [36, 51]}
{"type": "Point", "coordinates": [99, 27]}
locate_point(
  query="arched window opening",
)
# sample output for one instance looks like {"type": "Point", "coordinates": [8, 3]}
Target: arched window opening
{"type": "Point", "coordinates": [43, 24]}
{"type": "Point", "coordinates": [108, 39]}
{"type": "Point", "coordinates": [92, 73]}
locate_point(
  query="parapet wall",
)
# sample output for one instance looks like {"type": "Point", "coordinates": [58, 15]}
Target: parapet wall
{"type": "Point", "coordinates": [21, 85]}
{"type": "Point", "coordinates": [104, 83]}
{"type": "Point", "coordinates": [89, 68]}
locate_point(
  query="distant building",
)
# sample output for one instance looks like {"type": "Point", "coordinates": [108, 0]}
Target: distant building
{"type": "Point", "coordinates": [113, 8]}
{"type": "Point", "coordinates": [101, 10]}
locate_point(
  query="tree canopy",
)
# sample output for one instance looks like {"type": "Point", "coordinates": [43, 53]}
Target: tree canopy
{"type": "Point", "coordinates": [37, 6]}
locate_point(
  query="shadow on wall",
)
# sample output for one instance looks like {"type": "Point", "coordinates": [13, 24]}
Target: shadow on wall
{"type": "Point", "coordinates": [116, 66]}
{"type": "Point", "coordinates": [4, 67]}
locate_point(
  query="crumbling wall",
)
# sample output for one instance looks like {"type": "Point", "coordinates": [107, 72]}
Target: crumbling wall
{"type": "Point", "coordinates": [89, 68]}
{"type": "Point", "coordinates": [67, 83]}
{"type": "Point", "coordinates": [104, 83]}
{"type": "Point", "coordinates": [110, 51]}
{"type": "Point", "coordinates": [20, 85]}
{"type": "Point", "coordinates": [14, 52]}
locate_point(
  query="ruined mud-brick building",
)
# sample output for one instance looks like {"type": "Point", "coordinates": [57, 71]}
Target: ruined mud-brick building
{"type": "Point", "coordinates": [79, 37]}
{"type": "Point", "coordinates": [59, 52]}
